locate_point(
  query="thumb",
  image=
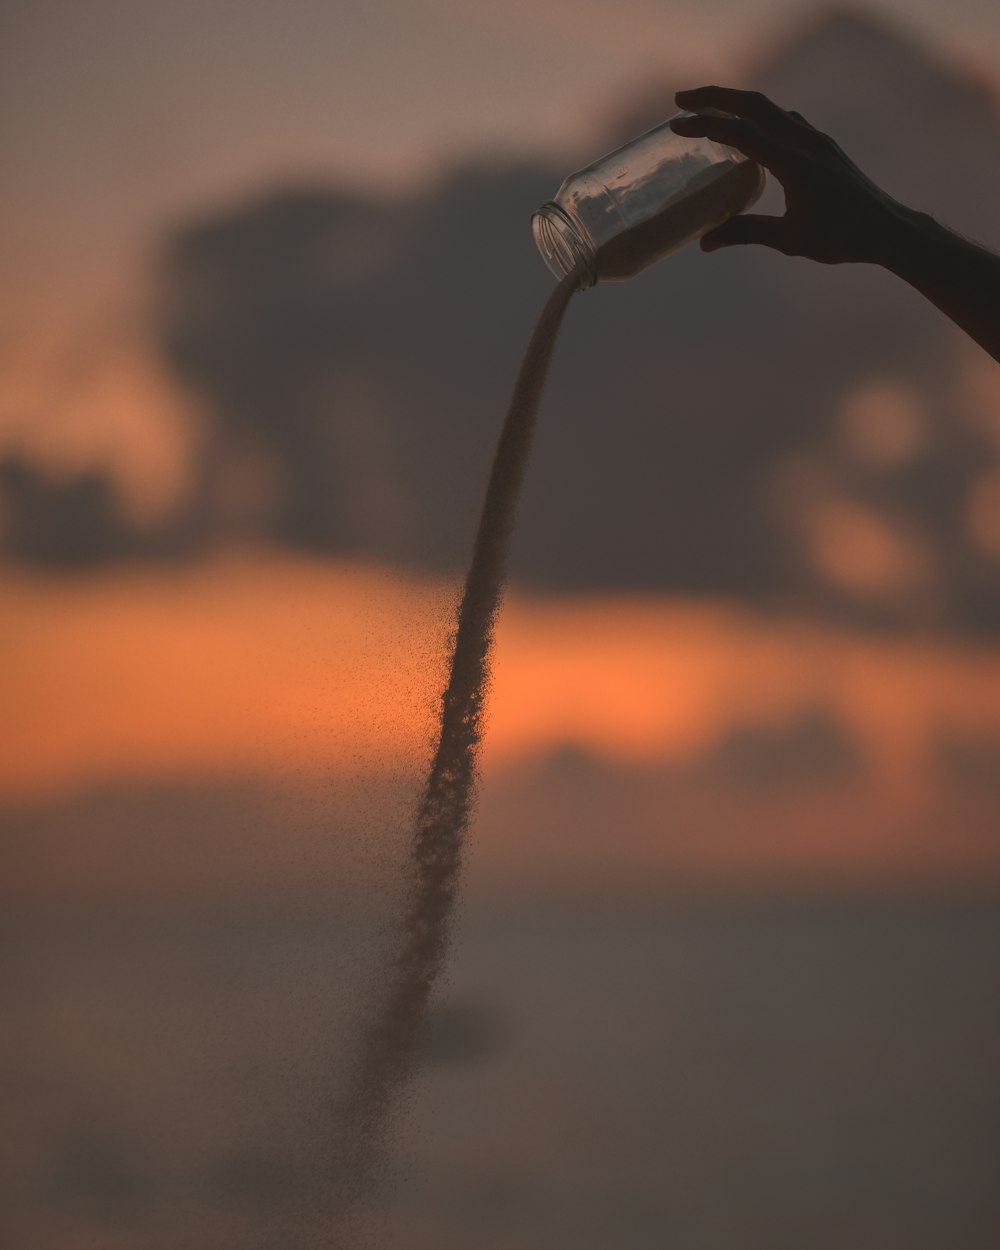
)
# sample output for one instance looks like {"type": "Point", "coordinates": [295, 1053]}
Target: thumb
{"type": "Point", "coordinates": [747, 228]}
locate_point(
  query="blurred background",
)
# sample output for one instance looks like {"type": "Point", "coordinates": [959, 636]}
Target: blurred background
{"type": "Point", "coordinates": [725, 972]}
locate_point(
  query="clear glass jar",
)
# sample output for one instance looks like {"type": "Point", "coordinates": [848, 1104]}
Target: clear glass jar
{"type": "Point", "coordinates": [641, 202]}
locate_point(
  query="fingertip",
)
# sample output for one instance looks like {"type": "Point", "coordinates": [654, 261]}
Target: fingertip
{"type": "Point", "coordinates": [714, 239]}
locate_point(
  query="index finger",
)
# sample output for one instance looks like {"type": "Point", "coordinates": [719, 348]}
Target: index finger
{"type": "Point", "coordinates": [752, 106]}
{"type": "Point", "coordinates": [731, 132]}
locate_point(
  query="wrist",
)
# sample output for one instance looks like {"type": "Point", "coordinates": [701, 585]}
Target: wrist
{"type": "Point", "coordinates": [910, 239]}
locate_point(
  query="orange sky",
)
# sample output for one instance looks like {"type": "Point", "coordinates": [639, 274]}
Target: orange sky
{"type": "Point", "coordinates": [249, 664]}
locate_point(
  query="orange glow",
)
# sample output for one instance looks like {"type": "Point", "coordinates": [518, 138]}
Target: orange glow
{"type": "Point", "coordinates": [100, 401]}
{"type": "Point", "coordinates": [884, 423]}
{"type": "Point", "coordinates": [237, 665]}
{"type": "Point", "coordinates": [862, 552]}
{"type": "Point", "coordinates": [276, 666]}
{"type": "Point", "coordinates": [983, 513]}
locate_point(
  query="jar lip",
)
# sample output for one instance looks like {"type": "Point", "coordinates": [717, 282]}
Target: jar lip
{"type": "Point", "coordinates": [564, 243]}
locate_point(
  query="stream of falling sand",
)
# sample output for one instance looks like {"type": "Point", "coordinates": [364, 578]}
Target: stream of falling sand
{"type": "Point", "coordinates": [442, 819]}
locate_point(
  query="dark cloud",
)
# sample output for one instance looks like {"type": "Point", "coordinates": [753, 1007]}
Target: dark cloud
{"type": "Point", "coordinates": [813, 750]}
{"type": "Point", "coordinates": [60, 523]}
{"type": "Point", "coordinates": [972, 764]}
{"type": "Point", "coordinates": [362, 350]}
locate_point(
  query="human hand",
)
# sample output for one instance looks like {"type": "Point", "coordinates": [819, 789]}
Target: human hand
{"type": "Point", "coordinates": [833, 212]}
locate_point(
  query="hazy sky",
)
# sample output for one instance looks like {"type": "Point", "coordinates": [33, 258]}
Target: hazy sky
{"type": "Point", "coordinates": [116, 115]}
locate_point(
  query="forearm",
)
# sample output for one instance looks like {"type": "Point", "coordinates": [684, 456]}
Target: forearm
{"type": "Point", "coordinates": [958, 277]}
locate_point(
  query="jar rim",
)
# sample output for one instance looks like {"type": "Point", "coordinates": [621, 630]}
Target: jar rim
{"type": "Point", "coordinates": [564, 243]}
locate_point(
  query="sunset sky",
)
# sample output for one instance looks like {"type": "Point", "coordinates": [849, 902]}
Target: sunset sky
{"type": "Point", "coordinates": [120, 119]}
{"type": "Point", "coordinates": [712, 939]}
{"type": "Point", "coordinates": [628, 738]}
{"type": "Point", "coordinates": [337, 668]}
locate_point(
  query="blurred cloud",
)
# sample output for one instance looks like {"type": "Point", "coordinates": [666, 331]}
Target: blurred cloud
{"type": "Point", "coordinates": [884, 422]}
{"type": "Point", "coordinates": [984, 513]}
{"type": "Point", "coordinates": [312, 318]}
{"type": "Point", "coordinates": [109, 406]}
{"type": "Point", "coordinates": [863, 553]}
{"type": "Point", "coordinates": [342, 399]}
{"type": "Point", "coordinates": [245, 725]}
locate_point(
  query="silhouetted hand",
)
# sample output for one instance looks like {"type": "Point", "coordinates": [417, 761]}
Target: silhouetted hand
{"type": "Point", "coordinates": [833, 212]}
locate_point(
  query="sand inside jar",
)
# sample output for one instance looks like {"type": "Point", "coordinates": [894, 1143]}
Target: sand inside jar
{"type": "Point", "coordinates": [723, 191]}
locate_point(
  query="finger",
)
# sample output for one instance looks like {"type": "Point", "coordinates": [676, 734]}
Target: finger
{"type": "Point", "coordinates": [729, 131]}
{"type": "Point", "coordinates": [752, 106]}
{"type": "Point", "coordinates": [748, 228]}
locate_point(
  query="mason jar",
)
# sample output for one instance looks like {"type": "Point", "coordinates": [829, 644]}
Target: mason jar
{"type": "Point", "coordinates": [642, 202]}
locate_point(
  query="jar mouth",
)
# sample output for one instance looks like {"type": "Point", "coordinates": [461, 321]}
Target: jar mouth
{"type": "Point", "coordinates": [563, 244]}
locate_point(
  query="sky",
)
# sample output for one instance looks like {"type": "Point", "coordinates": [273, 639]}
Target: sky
{"type": "Point", "coordinates": [628, 738]}
{"type": "Point", "coordinates": [119, 115]}
{"type": "Point", "coordinates": [247, 725]}
{"type": "Point", "coordinates": [119, 118]}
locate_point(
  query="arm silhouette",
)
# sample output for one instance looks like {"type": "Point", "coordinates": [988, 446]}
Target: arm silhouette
{"type": "Point", "coordinates": [835, 214]}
